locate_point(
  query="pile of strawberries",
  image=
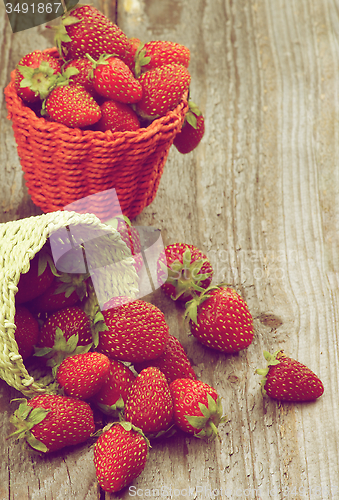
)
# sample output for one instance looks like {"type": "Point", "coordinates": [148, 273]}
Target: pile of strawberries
{"type": "Point", "coordinates": [123, 362]}
{"type": "Point", "coordinates": [102, 80]}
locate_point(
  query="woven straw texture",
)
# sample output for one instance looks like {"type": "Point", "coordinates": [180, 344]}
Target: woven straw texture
{"type": "Point", "coordinates": [20, 241]}
{"type": "Point", "coordinates": [62, 165]}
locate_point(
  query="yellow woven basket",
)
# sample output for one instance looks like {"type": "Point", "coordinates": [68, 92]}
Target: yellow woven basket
{"type": "Point", "coordinates": [20, 241]}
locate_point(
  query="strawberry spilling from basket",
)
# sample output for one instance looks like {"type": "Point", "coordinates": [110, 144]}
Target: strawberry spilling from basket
{"type": "Point", "coordinates": [102, 80]}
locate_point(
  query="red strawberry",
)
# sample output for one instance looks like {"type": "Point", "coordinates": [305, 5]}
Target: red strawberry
{"type": "Point", "coordinates": [72, 106]}
{"type": "Point", "coordinates": [133, 46]}
{"type": "Point", "coordinates": [188, 270]}
{"type": "Point", "coordinates": [158, 53]}
{"type": "Point", "coordinates": [288, 380]}
{"type": "Point", "coordinates": [197, 407]}
{"type": "Point", "coordinates": [192, 131]}
{"type": "Point", "coordinates": [35, 75]}
{"type": "Point", "coordinates": [173, 362]}
{"type": "Point", "coordinates": [136, 331]}
{"type": "Point", "coordinates": [149, 404]}
{"type": "Point", "coordinates": [117, 117]}
{"type": "Point", "coordinates": [131, 237]}
{"type": "Point", "coordinates": [113, 79]}
{"type": "Point", "coordinates": [220, 319]}
{"type": "Point", "coordinates": [163, 87]}
{"type": "Point", "coordinates": [71, 321]}
{"type": "Point", "coordinates": [26, 332]}
{"type": "Point", "coordinates": [83, 78]}
{"type": "Point", "coordinates": [120, 455]}
{"type": "Point", "coordinates": [85, 30]}
{"type": "Point", "coordinates": [82, 375]}
{"type": "Point", "coordinates": [65, 291]}
{"type": "Point", "coordinates": [50, 422]}
{"type": "Point", "coordinates": [114, 392]}
{"type": "Point", "coordinates": [37, 279]}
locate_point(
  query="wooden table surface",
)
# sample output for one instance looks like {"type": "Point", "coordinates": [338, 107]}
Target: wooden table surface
{"type": "Point", "coordinates": [260, 195]}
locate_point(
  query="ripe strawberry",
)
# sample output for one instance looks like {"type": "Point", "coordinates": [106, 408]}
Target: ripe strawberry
{"type": "Point", "coordinates": [113, 79]}
{"type": "Point", "coordinates": [37, 279]}
{"type": "Point", "coordinates": [71, 321]}
{"type": "Point", "coordinates": [131, 237]}
{"type": "Point", "coordinates": [188, 271]}
{"type": "Point", "coordinates": [65, 291]}
{"type": "Point", "coordinates": [135, 331]}
{"type": "Point", "coordinates": [133, 46]}
{"type": "Point", "coordinates": [26, 332]}
{"type": "Point", "coordinates": [173, 362]}
{"type": "Point", "coordinates": [72, 106]}
{"type": "Point", "coordinates": [114, 392]}
{"type": "Point", "coordinates": [197, 407]}
{"type": "Point", "coordinates": [82, 375]}
{"type": "Point", "coordinates": [220, 319]}
{"type": "Point", "coordinates": [288, 380]}
{"type": "Point", "coordinates": [85, 30]}
{"type": "Point", "coordinates": [83, 78]}
{"type": "Point", "coordinates": [149, 405]}
{"type": "Point", "coordinates": [120, 455]}
{"type": "Point", "coordinates": [49, 422]}
{"type": "Point", "coordinates": [117, 117]}
{"type": "Point", "coordinates": [35, 75]}
{"type": "Point", "coordinates": [192, 131]}
{"type": "Point", "coordinates": [158, 53]}
{"type": "Point", "coordinates": [163, 87]}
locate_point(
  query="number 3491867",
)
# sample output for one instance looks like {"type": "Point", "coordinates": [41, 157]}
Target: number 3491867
{"type": "Point", "coordinates": [40, 8]}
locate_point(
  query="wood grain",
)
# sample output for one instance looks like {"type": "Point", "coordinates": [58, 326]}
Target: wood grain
{"type": "Point", "coordinates": [260, 196]}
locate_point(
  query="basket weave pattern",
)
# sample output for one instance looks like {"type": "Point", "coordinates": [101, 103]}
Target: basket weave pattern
{"type": "Point", "coordinates": [62, 165]}
{"type": "Point", "coordinates": [20, 241]}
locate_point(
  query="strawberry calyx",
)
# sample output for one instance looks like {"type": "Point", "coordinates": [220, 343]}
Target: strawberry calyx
{"type": "Point", "coordinates": [191, 115]}
{"type": "Point", "coordinates": [207, 425]}
{"type": "Point", "coordinates": [61, 80]}
{"type": "Point", "coordinates": [72, 282]}
{"type": "Point", "coordinates": [184, 276]}
{"type": "Point", "coordinates": [39, 80]}
{"type": "Point", "coordinates": [140, 59]}
{"type": "Point", "coordinates": [61, 349]}
{"type": "Point", "coordinates": [191, 312]}
{"type": "Point", "coordinates": [272, 360]}
{"type": "Point", "coordinates": [114, 410]}
{"type": "Point", "coordinates": [24, 419]}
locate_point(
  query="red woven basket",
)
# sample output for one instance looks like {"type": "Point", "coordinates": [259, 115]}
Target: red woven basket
{"type": "Point", "coordinates": [62, 165]}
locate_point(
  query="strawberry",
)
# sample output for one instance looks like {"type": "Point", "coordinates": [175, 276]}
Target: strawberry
{"type": "Point", "coordinates": [149, 405]}
{"type": "Point", "coordinates": [289, 380]}
{"type": "Point", "coordinates": [120, 455]}
{"type": "Point", "coordinates": [192, 131]}
{"type": "Point", "coordinates": [83, 78]}
{"type": "Point", "coordinates": [71, 321]}
{"type": "Point", "coordinates": [35, 75]}
{"type": "Point", "coordinates": [50, 422]}
{"type": "Point", "coordinates": [85, 30]}
{"type": "Point", "coordinates": [113, 79]}
{"type": "Point", "coordinates": [37, 279]}
{"type": "Point", "coordinates": [197, 407]}
{"type": "Point", "coordinates": [82, 375]}
{"type": "Point", "coordinates": [133, 46]}
{"type": "Point", "coordinates": [26, 332]}
{"type": "Point", "coordinates": [117, 117]}
{"type": "Point", "coordinates": [72, 106]}
{"type": "Point", "coordinates": [173, 362]}
{"type": "Point", "coordinates": [158, 53]}
{"type": "Point", "coordinates": [187, 269]}
{"type": "Point", "coordinates": [131, 237]}
{"type": "Point", "coordinates": [162, 89]}
{"type": "Point", "coordinates": [220, 319]}
{"type": "Point", "coordinates": [65, 291]}
{"type": "Point", "coordinates": [114, 392]}
{"type": "Point", "coordinates": [135, 331]}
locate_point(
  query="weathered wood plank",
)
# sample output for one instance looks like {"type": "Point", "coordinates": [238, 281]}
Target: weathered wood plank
{"type": "Point", "coordinates": [260, 195]}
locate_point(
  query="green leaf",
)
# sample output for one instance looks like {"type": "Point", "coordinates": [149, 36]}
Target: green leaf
{"type": "Point", "coordinates": [196, 422]}
{"type": "Point", "coordinates": [37, 445]}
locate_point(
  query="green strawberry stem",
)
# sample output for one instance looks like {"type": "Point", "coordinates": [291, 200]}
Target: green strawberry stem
{"type": "Point", "coordinates": [24, 418]}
